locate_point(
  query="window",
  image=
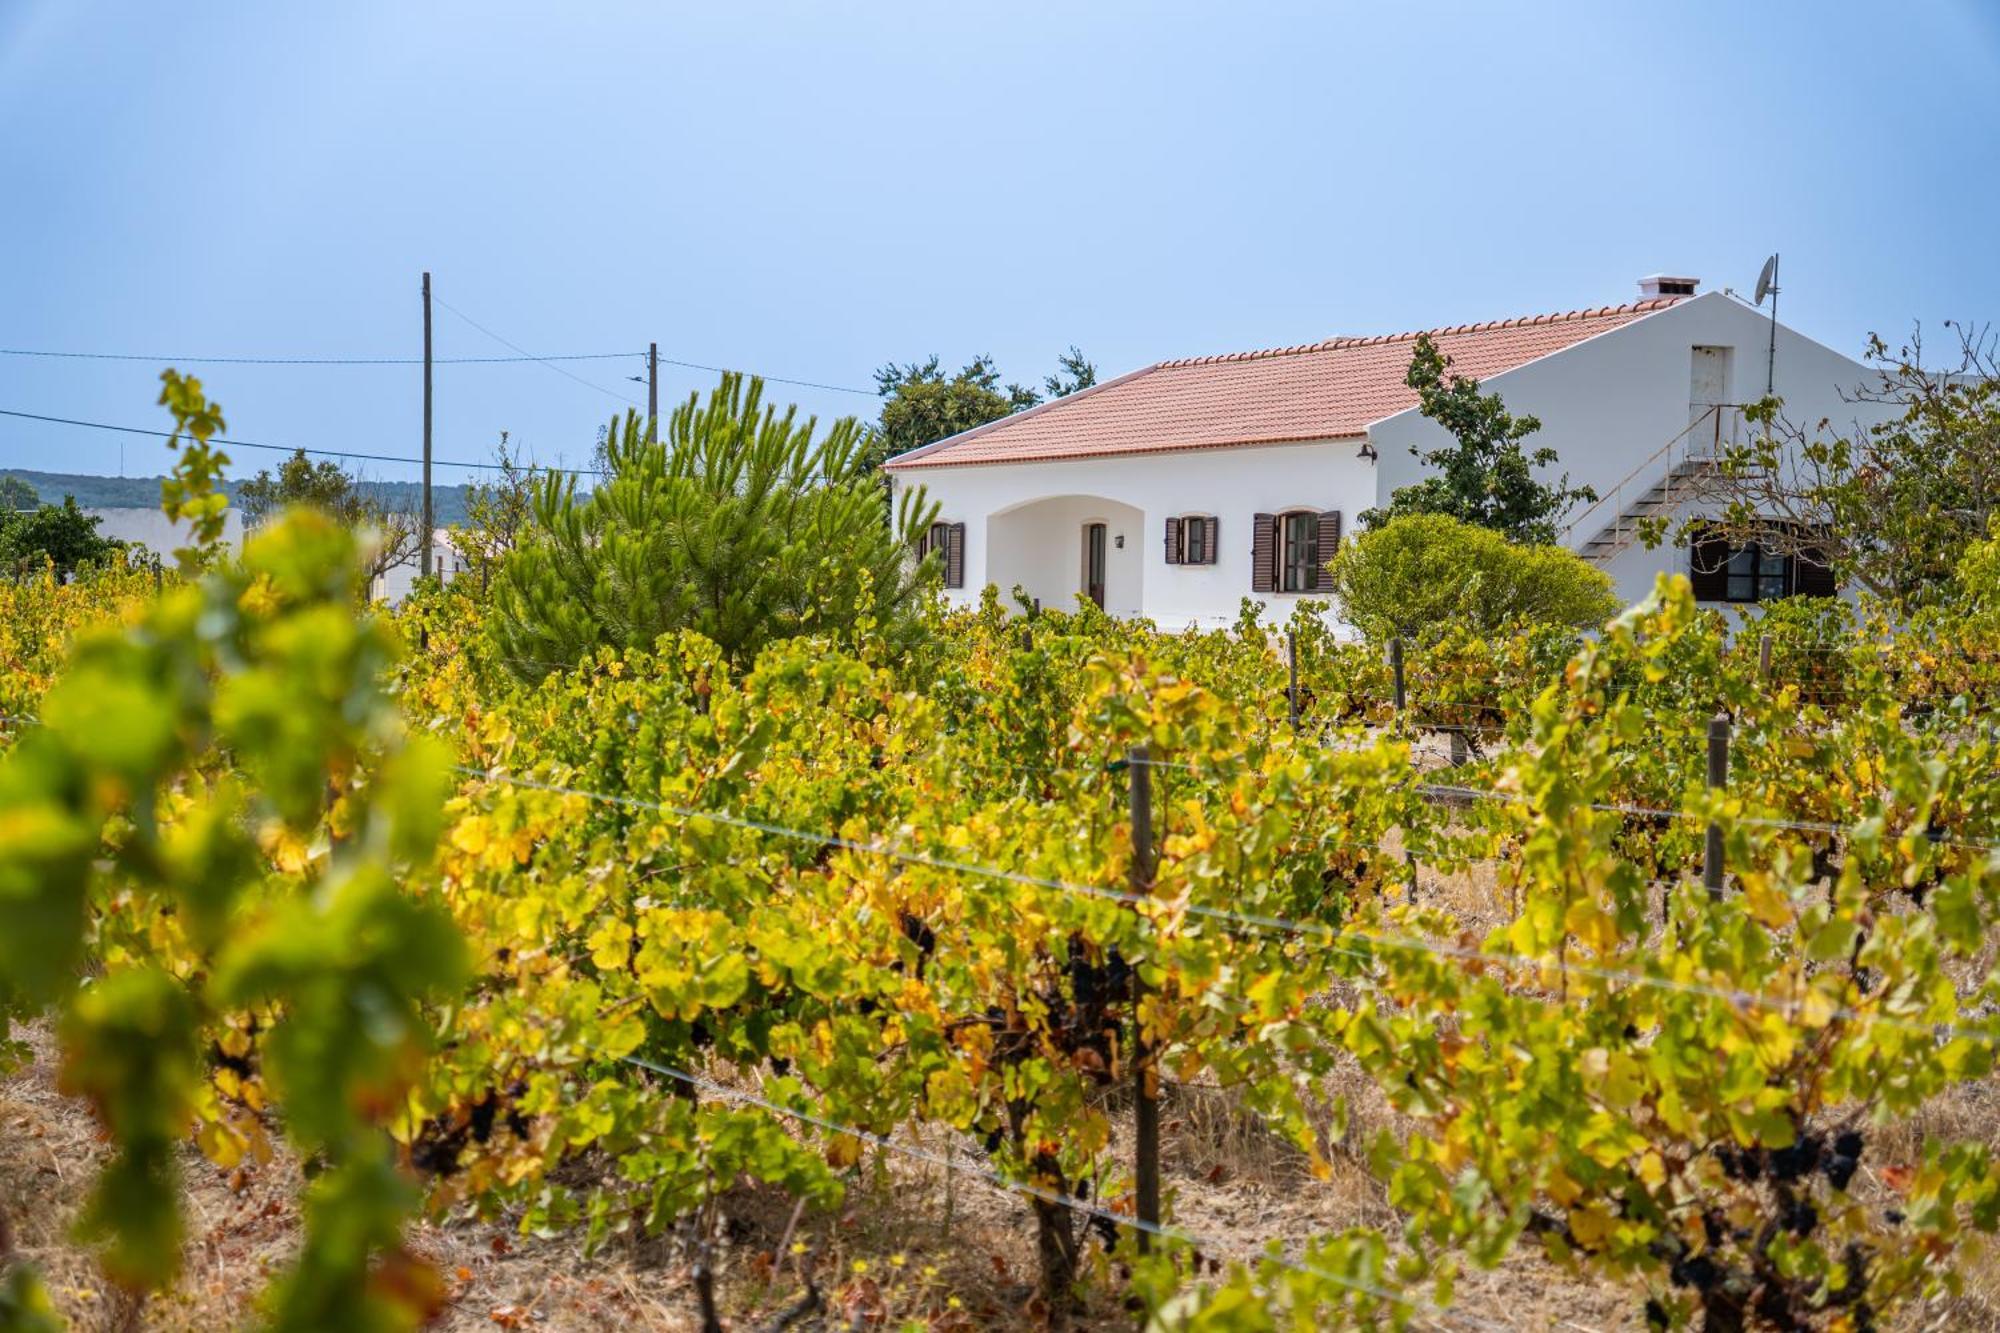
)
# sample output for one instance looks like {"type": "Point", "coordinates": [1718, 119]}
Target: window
{"type": "Point", "coordinates": [1789, 563]}
{"type": "Point", "coordinates": [1192, 540]}
{"type": "Point", "coordinates": [1288, 551]}
{"type": "Point", "coordinates": [1753, 574]}
{"type": "Point", "coordinates": [948, 541]}
{"type": "Point", "coordinates": [1299, 561]}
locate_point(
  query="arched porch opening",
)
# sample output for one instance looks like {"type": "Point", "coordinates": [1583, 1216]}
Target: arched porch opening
{"type": "Point", "coordinates": [1044, 547]}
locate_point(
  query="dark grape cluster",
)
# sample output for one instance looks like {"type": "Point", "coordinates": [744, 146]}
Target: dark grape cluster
{"type": "Point", "coordinates": [1797, 1161]}
{"type": "Point", "coordinates": [1844, 1160]}
{"type": "Point", "coordinates": [1697, 1271]}
{"type": "Point", "coordinates": [435, 1150]}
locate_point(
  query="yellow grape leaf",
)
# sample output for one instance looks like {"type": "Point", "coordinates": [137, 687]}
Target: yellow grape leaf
{"type": "Point", "coordinates": [471, 834]}
{"type": "Point", "coordinates": [1591, 1225]}
{"type": "Point", "coordinates": [1767, 903]}
{"type": "Point", "coordinates": [1592, 925]}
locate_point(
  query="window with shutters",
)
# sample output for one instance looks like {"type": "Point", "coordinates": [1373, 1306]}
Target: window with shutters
{"type": "Point", "coordinates": [1298, 552]}
{"type": "Point", "coordinates": [947, 541]}
{"type": "Point", "coordinates": [1191, 539]}
{"type": "Point", "coordinates": [1746, 572]}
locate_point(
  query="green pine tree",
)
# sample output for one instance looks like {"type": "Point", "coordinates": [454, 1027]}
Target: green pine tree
{"type": "Point", "coordinates": [736, 524]}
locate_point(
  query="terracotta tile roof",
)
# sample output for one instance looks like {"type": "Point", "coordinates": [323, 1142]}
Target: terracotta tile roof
{"type": "Point", "coordinates": [1326, 390]}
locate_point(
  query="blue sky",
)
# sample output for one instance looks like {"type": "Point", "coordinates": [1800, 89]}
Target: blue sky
{"type": "Point", "coordinates": [813, 189]}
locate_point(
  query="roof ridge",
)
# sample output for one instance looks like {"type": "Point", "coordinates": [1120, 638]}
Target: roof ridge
{"type": "Point", "coordinates": [1644, 306]}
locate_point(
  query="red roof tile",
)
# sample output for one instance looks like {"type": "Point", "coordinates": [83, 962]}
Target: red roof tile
{"type": "Point", "coordinates": [1326, 390]}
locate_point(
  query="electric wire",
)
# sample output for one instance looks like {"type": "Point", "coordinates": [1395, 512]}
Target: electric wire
{"type": "Point", "coordinates": [231, 443]}
{"type": "Point", "coordinates": [315, 360]}
{"type": "Point", "coordinates": [549, 362]}
{"type": "Point", "coordinates": [519, 359]}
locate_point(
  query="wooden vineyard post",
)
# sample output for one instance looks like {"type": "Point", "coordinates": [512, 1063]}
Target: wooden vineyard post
{"type": "Point", "coordinates": [1718, 777]}
{"type": "Point", "coordinates": [1764, 658]}
{"type": "Point", "coordinates": [1402, 701]}
{"type": "Point", "coordinates": [1145, 1086]}
{"type": "Point", "coordinates": [1292, 670]}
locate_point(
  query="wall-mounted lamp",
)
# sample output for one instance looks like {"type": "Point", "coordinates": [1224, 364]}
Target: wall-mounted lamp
{"type": "Point", "coordinates": [1368, 451]}
{"type": "Point", "coordinates": [1119, 541]}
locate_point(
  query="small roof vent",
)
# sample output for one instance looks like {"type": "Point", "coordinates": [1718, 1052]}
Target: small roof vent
{"type": "Point", "coordinates": [1661, 284]}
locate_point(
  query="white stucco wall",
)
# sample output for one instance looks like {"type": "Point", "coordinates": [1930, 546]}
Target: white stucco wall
{"type": "Point", "coordinates": [1135, 496]}
{"type": "Point", "coordinates": [1610, 402]}
{"type": "Point", "coordinates": [159, 534]}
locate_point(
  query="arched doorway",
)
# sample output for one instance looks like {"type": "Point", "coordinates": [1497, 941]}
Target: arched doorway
{"type": "Point", "coordinates": [1063, 547]}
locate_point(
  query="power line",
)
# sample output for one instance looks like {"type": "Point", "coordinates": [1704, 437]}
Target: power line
{"type": "Point", "coordinates": [773, 379]}
{"type": "Point", "coordinates": [522, 358]}
{"type": "Point", "coordinates": [314, 360]}
{"type": "Point", "coordinates": [543, 360]}
{"type": "Point", "coordinates": [296, 449]}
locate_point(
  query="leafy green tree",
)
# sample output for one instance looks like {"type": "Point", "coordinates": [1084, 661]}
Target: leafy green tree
{"type": "Point", "coordinates": [329, 488]}
{"type": "Point", "coordinates": [737, 524]}
{"type": "Point", "coordinates": [1890, 507]}
{"type": "Point", "coordinates": [1484, 476]}
{"type": "Point", "coordinates": [922, 405]}
{"type": "Point", "coordinates": [1419, 574]}
{"type": "Point", "coordinates": [1073, 371]}
{"type": "Point", "coordinates": [61, 534]}
{"type": "Point", "coordinates": [16, 494]}
{"type": "Point", "coordinates": [499, 514]}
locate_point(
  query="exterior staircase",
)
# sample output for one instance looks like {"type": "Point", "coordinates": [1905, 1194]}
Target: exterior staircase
{"type": "Point", "coordinates": [1678, 471]}
{"type": "Point", "coordinates": [1684, 481]}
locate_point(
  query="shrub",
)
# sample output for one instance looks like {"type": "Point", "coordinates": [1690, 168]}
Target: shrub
{"type": "Point", "coordinates": [1419, 574]}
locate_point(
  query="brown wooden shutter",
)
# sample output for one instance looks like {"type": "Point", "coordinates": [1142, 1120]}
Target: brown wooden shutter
{"type": "Point", "coordinates": [1329, 542]}
{"type": "Point", "coordinates": [1173, 541]}
{"type": "Point", "coordinates": [1264, 553]}
{"type": "Point", "coordinates": [1812, 571]}
{"type": "Point", "coordinates": [954, 556]}
{"type": "Point", "coordinates": [1208, 552]}
{"type": "Point", "coordinates": [1708, 564]}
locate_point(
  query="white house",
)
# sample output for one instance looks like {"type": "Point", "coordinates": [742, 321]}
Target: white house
{"type": "Point", "coordinates": [152, 529]}
{"type": "Point", "coordinates": [1177, 490]}
{"type": "Point", "coordinates": [447, 562]}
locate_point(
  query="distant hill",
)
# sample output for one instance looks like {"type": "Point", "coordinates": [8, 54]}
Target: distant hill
{"type": "Point", "coordinates": [144, 492]}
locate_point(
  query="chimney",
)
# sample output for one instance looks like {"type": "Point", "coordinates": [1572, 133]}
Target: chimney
{"type": "Point", "coordinates": [1660, 284]}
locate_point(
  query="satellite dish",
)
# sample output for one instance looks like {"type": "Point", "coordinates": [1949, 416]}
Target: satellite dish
{"type": "Point", "coordinates": [1767, 281]}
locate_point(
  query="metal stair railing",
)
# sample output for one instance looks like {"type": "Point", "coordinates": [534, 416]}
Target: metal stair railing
{"type": "Point", "coordinates": [1689, 453]}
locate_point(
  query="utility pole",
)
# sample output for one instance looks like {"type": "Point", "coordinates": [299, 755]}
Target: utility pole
{"type": "Point", "coordinates": [429, 521]}
{"type": "Point", "coordinates": [653, 389]}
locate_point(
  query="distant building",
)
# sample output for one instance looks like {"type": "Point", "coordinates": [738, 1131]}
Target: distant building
{"type": "Point", "coordinates": [152, 529]}
{"type": "Point", "coordinates": [396, 584]}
